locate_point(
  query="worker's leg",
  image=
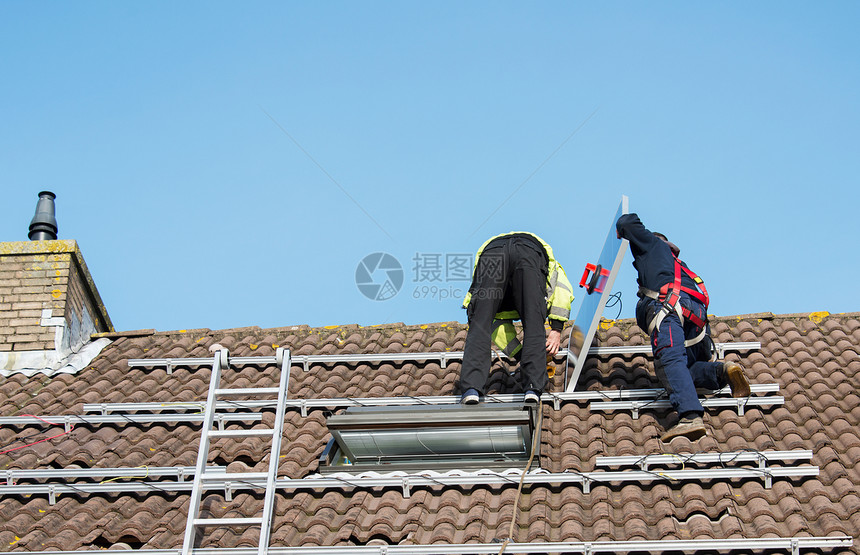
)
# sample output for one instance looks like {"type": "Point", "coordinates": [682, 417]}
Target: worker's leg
{"type": "Point", "coordinates": [705, 374]}
{"type": "Point", "coordinates": [528, 286]}
{"type": "Point", "coordinates": [670, 358]}
{"type": "Point", "coordinates": [488, 289]}
{"type": "Point", "coordinates": [715, 375]}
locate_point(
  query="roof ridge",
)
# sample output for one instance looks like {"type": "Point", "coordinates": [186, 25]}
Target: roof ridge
{"type": "Point", "coordinates": [453, 324]}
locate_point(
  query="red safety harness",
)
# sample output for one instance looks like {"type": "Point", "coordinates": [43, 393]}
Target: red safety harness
{"type": "Point", "coordinates": [670, 296]}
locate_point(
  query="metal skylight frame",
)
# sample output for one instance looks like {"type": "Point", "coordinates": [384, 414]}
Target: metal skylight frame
{"type": "Point", "coordinates": [453, 436]}
{"type": "Point", "coordinates": [792, 545]}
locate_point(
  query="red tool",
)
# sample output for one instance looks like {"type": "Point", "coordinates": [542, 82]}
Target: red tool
{"type": "Point", "coordinates": [598, 280]}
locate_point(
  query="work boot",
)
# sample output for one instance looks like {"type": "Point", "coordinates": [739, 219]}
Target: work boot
{"type": "Point", "coordinates": [738, 381]}
{"type": "Point", "coordinates": [692, 428]}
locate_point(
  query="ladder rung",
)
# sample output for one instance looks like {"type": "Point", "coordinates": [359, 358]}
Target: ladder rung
{"type": "Point", "coordinates": [233, 476]}
{"type": "Point", "coordinates": [248, 391]}
{"type": "Point", "coordinates": [241, 433]}
{"type": "Point", "coordinates": [228, 521]}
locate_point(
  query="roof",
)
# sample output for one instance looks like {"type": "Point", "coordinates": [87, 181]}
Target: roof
{"type": "Point", "coordinates": [814, 359]}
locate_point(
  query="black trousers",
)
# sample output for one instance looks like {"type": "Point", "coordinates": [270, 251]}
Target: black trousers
{"type": "Point", "coordinates": [511, 274]}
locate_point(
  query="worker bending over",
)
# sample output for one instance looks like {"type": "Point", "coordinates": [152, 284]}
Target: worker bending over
{"type": "Point", "coordinates": [516, 276]}
{"type": "Point", "coordinates": [672, 308]}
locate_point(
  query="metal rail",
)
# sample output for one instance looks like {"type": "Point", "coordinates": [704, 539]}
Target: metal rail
{"type": "Point", "coordinates": [12, 475]}
{"type": "Point", "coordinates": [69, 420]}
{"type": "Point", "coordinates": [442, 356]}
{"type": "Point", "coordinates": [408, 481]}
{"type": "Point", "coordinates": [722, 349]}
{"type": "Point", "coordinates": [792, 545]}
{"type": "Point", "coordinates": [337, 402]}
{"type": "Point", "coordinates": [760, 457]}
{"type": "Point", "coordinates": [740, 403]}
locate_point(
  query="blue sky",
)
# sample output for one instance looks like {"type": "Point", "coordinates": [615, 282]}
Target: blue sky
{"type": "Point", "coordinates": [227, 164]}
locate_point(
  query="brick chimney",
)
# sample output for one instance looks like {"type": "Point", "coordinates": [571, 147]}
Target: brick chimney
{"type": "Point", "coordinates": [49, 308]}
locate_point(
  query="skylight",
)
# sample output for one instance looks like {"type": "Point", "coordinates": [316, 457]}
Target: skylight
{"type": "Point", "coordinates": [439, 437]}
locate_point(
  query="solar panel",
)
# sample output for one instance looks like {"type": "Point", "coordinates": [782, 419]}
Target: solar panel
{"type": "Point", "coordinates": [596, 283]}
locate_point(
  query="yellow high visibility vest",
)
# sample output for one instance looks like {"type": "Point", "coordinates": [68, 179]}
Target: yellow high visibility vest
{"type": "Point", "coordinates": [559, 296]}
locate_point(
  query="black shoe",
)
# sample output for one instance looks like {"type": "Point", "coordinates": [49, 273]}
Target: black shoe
{"type": "Point", "coordinates": [470, 397]}
{"type": "Point", "coordinates": [531, 396]}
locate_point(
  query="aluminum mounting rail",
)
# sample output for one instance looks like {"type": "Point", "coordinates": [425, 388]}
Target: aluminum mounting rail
{"type": "Point", "coordinates": [586, 479]}
{"type": "Point", "coordinates": [792, 545]}
{"type": "Point", "coordinates": [12, 475]}
{"type": "Point", "coordinates": [442, 356]}
{"type": "Point", "coordinates": [722, 349]}
{"type": "Point", "coordinates": [336, 402]}
{"type": "Point", "coordinates": [760, 457]}
{"type": "Point", "coordinates": [69, 420]}
{"type": "Point", "coordinates": [407, 482]}
{"type": "Point", "coordinates": [741, 403]}
{"type": "Point", "coordinates": [304, 360]}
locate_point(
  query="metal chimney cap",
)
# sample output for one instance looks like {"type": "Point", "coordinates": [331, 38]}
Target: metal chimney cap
{"type": "Point", "coordinates": [43, 226]}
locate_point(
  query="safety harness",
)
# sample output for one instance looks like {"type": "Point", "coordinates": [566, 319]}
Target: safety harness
{"type": "Point", "coordinates": [670, 297]}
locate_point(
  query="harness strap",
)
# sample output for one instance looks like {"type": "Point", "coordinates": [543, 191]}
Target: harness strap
{"type": "Point", "coordinates": [670, 296]}
{"type": "Point", "coordinates": [664, 311]}
{"type": "Point", "coordinates": [697, 339]}
{"type": "Point", "coordinates": [672, 292]}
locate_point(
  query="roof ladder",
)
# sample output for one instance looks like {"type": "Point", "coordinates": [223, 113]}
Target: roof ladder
{"type": "Point", "coordinates": [204, 478]}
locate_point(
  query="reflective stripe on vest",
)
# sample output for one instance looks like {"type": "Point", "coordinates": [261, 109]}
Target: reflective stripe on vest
{"type": "Point", "coordinates": [559, 311]}
{"type": "Point", "coordinates": [504, 335]}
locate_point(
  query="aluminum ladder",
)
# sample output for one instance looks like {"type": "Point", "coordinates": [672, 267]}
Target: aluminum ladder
{"type": "Point", "coordinates": [203, 478]}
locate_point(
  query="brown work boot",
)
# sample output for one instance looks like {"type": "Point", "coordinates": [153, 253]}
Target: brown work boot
{"type": "Point", "coordinates": [690, 428]}
{"type": "Point", "coordinates": [738, 381]}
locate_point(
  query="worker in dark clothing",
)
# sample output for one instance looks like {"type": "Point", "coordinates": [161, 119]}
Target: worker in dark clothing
{"type": "Point", "coordinates": [672, 308]}
{"type": "Point", "coordinates": [515, 277]}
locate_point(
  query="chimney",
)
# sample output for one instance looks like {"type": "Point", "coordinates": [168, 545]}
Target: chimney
{"type": "Point", "coordinates": [43, 226]}
{"type": "Point", "coordinates": [49, 304]}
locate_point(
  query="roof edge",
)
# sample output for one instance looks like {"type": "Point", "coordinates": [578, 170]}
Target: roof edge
{"type": "Point", "coordinates": [400, 326]}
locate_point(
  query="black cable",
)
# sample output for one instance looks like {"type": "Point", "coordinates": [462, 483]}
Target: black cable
{"type": "Point", "coordinates": [616, 300]}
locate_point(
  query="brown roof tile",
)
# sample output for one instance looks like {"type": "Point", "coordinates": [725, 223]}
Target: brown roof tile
{"type": "Point", "coordinates": [816, 365]}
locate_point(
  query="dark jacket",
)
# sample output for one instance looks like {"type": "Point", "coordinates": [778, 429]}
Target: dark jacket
{"type": "Point", "coordinates": [652, 257]}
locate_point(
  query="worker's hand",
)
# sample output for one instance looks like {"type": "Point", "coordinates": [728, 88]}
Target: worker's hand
{"type": "Point", "coordinates": [553, 342]}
